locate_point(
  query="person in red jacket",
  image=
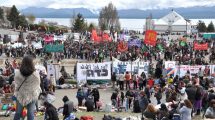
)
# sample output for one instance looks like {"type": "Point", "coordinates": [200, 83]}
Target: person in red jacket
{"type": "Point", "coordinates": [151, 82]}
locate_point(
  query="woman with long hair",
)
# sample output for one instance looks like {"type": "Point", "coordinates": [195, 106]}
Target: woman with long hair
{"type": "Point", "coordinates": [150, 112]}
{"type": "Point", "coordinates": [27, 88]}
{"type": "Point", "coordinates": [186, 110]}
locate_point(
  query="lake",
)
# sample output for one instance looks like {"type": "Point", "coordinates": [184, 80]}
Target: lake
{"type": "Point", "coordinates": [129, 24]}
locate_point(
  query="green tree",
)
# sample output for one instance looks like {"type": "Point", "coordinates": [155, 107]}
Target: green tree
{"type": "Point", "coordinates": [210, 27]}
{"type": "Point", "coordinates": [13, 16]}
{"type": "Point", "coordinates": [79, 24]}
{"type": "Point", "coordinates": [91, 27]}
{"type": "Point", "coordinates": [1, 13]}
{"type": "Point", "coordinates": [22, 21]}
{"type": "Point", "coordinates": [31, 18]}
{"type": "Point", "coordinates": [201, 27]}
{"type": "Point", "coordinates": [108, 18]}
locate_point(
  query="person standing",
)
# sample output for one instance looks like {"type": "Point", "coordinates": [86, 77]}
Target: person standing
{"type": "Point", "coordinates": [80, 96]}
{"type": "Point", "coordinates": [129, 95]}
{"type": "Point", "coordinates": [158, 95]}
{"type": "Point", "coordinates": [96, 96]}
{"type": "Point", "coordinates": [52, 82]}
{"type": "Point", "coordinates": [143, 102]}
{"type": "Point", "coordinates": [113, 79]}
{"type": "Point", "coordinates": [27, 88]}
{"type": "Point", "coordinates": [127, 80]}
{"type": "Point", "coordinates": [135, 79]}
{"type": "Point", "coordinates": [186, 110]}
{"type": "Point", "coordinates": [121, 81]}
{"type": "Point", "coordinates": [201, 75]}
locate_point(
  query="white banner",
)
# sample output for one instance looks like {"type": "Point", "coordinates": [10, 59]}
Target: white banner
{"type": "Point", "coordinates": [195, 69]}
{"type": "Point", "coordinates": [53, 69]}
{"type": "Point", "coordinates": [136, 67]}
{"type": "Point", "coordinates": [93, 71]}
{"type": "Point", "coordinates": [61, 37]}
{"type": "Point", "coordinates": [182, 70]}
{"type": "Point", "coordinates": [37, 45]}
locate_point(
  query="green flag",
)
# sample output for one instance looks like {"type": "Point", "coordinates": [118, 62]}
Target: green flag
{"type": "Point", "coordinates": [160, 47]}
{"type": "Point", "coordinates": [144, 48]}
{"type": "Point", "coordinates": [182, 43]}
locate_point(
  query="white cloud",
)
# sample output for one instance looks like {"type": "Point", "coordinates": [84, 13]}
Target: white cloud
{"type": "Point", "coordinates": [98, 4]}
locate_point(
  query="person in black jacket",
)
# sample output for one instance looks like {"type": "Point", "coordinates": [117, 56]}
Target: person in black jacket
{"type": "Point", "coordinates": [68, 107]}
{"type": "Point", "coordinates": [96, 96]}
{"type": "Point", "coordinates": [129, 95]}
{"type": "Point", "coordinates": [51, 112]}
{"type": "Point", "coordinates": [89, 104]}
{"type": "Point", "coordinates": [114, 98]}
{"type": "Point", "coordinates": [113, 79]}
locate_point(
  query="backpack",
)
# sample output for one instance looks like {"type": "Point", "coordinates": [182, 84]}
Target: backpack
{"type": "Point", "coordinates": [176, 117]}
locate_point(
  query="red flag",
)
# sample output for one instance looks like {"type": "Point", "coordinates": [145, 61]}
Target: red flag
{"type": "Point", "coordinates": [197, 46]}
{"type": "Point", "coordinates": [122, 46]}
{"type": "Point", "coordinates": [150, 37]}
{"type": "Point", "coordinates": [106, 37]}
{"type": "Point", "coordinates": [94, 36]}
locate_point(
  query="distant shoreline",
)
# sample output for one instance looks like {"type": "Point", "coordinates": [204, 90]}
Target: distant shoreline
{"type": "Point", "coordinates": [119, 18]}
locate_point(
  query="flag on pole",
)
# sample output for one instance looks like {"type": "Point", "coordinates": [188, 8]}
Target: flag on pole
{"type": "Point", "coordinates": [150, 37]}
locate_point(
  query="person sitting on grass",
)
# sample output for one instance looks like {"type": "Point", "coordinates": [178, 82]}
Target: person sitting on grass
{"type": "Point", "coordinates": [51, 112]}
{"type": "Point", "coordinates": [68, 107]}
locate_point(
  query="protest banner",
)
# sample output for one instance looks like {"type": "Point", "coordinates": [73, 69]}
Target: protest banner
{"type": "Point", "coordinates": [53, 69]}
{"type": "Point", "coordinates": [135, 67]}
{"type": "Point", "coordinates": [197, 46]}
{"type": "Point", "coordinates": [93, 71]}
{"type": "Point", "coordinates": [60, 37]}
{"type": "Point", "coordinates": [150, 37]}
{"type": "Point", "coordinates": [48, 38]}
{"type": "Point", "coordinates": [134, 42]}
{"type": "Point", "coordinates": [182, 70]}
{"type": "Point", "coordinates": [195, 69]}
{"type": "Point", "coordinates": [54, 48]}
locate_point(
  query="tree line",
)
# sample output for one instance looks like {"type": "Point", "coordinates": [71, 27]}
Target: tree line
{"type": "Point", "coordinates": [201, 27]}
{"type": "Point", "coordinates": [108, 20]}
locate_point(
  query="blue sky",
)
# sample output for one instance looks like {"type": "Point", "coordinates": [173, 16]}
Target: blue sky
{"type": "Point", "coordinates": [98, 4]}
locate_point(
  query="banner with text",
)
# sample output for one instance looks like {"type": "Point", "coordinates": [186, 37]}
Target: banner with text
{"type": "Point", "coordinates": [93, 71]}
{"type": "Point", "coordinates": [137, 67]}
{"type": "Point", "coordinates": [197, 46]}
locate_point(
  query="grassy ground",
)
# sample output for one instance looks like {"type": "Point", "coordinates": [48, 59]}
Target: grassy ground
{"type": "Point", "coordinates": [99, 115]}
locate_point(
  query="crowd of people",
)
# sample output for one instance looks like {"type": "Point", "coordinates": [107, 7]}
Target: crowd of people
{"type": "Point", "coordinates": [177, 98]}
{"type": "Point", "coordinates": [171, 49]}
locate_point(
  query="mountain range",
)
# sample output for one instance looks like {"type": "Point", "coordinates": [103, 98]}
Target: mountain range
{"type": "Point", "coordinates": [197, 12]}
